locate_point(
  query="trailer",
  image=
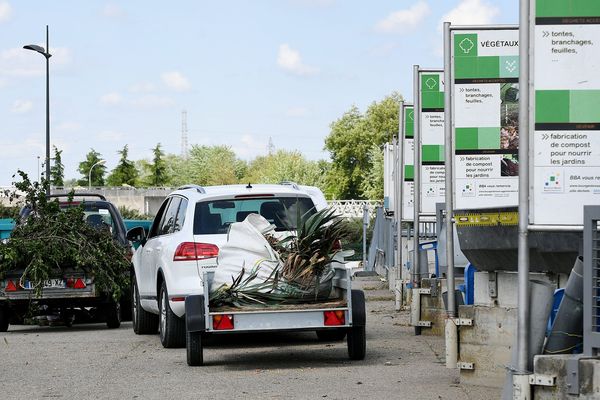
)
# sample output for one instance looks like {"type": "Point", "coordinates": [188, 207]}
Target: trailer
{"type": "Point", "coordinates": [341, 315]}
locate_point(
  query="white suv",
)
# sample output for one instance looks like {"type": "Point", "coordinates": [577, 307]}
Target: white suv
{"type": "Point", "coordinates": [190, 226]}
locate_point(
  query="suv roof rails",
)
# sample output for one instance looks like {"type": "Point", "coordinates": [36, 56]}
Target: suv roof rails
{"type": "Point", "coordinates": [79, 195]}
{"type": "Point", "coordinates": [289, 183]}
{"type": "Point", "coordinates": [198, 188]}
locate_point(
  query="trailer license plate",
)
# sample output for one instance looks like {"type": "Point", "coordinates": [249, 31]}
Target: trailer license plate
{"type": "Point", "coordinates": [48, 284]}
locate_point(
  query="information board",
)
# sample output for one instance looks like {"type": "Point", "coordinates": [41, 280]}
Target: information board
{"type": "Point", "coordinates": [408, 168]}
{"type": "Point", "coordinates": [485, 116]}
{"type": "Point", "coordinates": [431, 125]}
{"type": "Point", "coordinates": [566, 138]}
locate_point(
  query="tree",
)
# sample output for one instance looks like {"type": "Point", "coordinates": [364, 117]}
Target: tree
{"type": "Point", "coordinates": [372, 185]}
{"type": "Point", "coordinates": [57, 171]}
{"type": "Point", "coordinates": [98, 172]}
{"type": "Point", "coordinates": [206, 165]}
{"type": "Point", "coordinates": [125, 173]}
{"type": "Point", "coordinates": [350, 140]}
{"type": "Point", "coordinates": [158, 168]}
{"type": "Point", "coordinates": [285, 165]}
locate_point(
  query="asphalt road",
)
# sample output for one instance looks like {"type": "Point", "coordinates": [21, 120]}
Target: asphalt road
{"type": "Point", "coordinates": [92, 362]}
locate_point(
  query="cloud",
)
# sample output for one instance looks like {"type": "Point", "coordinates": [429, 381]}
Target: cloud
{"type": "Point", "coordinates": [176, 80]}
{"type": "Point", "coordinates": [470, 12]}
{"type": "Point", "coordinates": [111, 99]}
{"type": "Point", "coordinates": [289, 60]}
{"type": "Point", "coordinates": [142, 87]}
{"type": "Point", "coordinates": [297, 112]}
{"type": "Point", "coordinates": [112, 10]}
{"type": "Point", "coordinates": [152, 101]}
{"type": "Point", "coordinates": [5, 11]}
{"type": "Point", "coordinates": [17, 62]}
{"type": "Point", "coordinates": [21, 106]}
{"type": "Point", "coordinates": [404, 20]}
{"type": "Point", "coordinates": [248, 147]}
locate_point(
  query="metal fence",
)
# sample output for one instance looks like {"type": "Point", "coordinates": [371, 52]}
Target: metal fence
{"type": "Point", "coordinates": [354, 208]}
{"type": "Point", "coordinates": [591, 279]}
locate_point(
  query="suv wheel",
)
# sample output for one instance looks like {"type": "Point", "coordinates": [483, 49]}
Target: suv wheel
{"type": "Point", "coordinates": [144, 323]}
{"type": "Point", "coordinates": [171, 327]}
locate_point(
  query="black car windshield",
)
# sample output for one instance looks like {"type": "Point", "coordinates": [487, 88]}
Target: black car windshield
{"type": "Point", "coordinates": [97, 215]}
{"type": "Point", "coordinates": [214, 217]}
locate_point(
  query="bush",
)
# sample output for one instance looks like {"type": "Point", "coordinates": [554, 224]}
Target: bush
{"type": "Point", "coordinates": [354, 227]}
{"type": "Point", "coordinates": [8, 211]}
{"type": "Point", "coordinates": [130, 213]}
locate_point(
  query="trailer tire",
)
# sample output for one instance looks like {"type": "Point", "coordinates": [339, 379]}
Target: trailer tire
{"type": "Point", "coordinates": [194, 349]}
{"type": "Point", "coordinates": [144, 322]}
{"type": "Point", "coordinates": [357, 337]}
{"type": "Point", "coordinates": [4, 318]}
{"type": "Point", "coordinates": [331, 335]}
{"type": "Point", "coordinates": [171, 328]}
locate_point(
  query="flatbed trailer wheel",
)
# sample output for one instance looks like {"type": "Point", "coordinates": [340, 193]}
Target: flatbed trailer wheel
{"type": "Point", "coordinates": [357, 338]}
{"type": "Point", "coordinates": [4, 318]}
{"type": "Point", "coordinates": [194, 348]}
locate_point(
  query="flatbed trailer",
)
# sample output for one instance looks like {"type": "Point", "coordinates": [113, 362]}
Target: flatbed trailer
{"type": "Point", "coordinates": [341, 315]}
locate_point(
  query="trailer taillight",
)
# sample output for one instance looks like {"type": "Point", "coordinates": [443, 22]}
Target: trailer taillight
{"type": "Point", "coordinates": [222, 322]}
{"type": "Point", "coordinates": [334, 318]}
{"type": "Point", "coordinates": [10, 286]}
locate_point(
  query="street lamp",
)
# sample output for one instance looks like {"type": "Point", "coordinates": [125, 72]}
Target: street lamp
{"type": "Point", "coordinates": [101, 162]}
{"type": "Point", "coordinates": [47, 55]}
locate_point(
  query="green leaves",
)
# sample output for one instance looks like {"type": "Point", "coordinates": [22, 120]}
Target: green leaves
{"type": "Point", "coordinates": [50, 242]}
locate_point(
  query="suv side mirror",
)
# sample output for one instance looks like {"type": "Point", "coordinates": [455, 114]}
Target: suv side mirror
{"type": "Point", "coordinates": [137, 235]}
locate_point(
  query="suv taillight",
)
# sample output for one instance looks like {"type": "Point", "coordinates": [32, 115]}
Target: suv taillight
{"type": "Point", "coordinates": [190, 251]}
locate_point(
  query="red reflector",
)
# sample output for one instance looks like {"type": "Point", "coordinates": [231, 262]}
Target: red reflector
{"type": "Point", "coordinates": [79, 284]}
{"type": "Point", "coordinates": [10, 286]}
{"type": "Point", "coordinates": [70, 282]}
{"type": "Point", "coordinates": [190, 251]}
{"type": "Point", "coordinates": [333, 318]}
{"type": "Point", "coordinates": [222, 322]}
{"type": "Point", "coordinates": [177, 298]}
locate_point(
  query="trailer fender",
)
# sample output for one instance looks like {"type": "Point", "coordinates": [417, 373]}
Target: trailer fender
{"type": "Point", "coordinates": [194, 313]}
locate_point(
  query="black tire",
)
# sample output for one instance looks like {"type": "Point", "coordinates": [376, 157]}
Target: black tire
{"type": "Point", "coordinates": [4, 318]}
{"type": "Point", "coordinates": [113, 314]}
{"type": "Point", "coordinates": [194, 348]}
{"type": "Point", "coordinates": [357, 343]}
{"type": "Point", "coordinates": [126, 305]}
{"type": "Point", "coordinates": [357, 337]}
{"type": "Point", "coordinates": [144, 322]}
{"type": "Point", "coordinates": [331, 335]}
{"type": "Point", "coordinates": [170, 327]}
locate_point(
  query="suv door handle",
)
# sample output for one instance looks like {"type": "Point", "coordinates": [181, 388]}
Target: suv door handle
{"type": "Point", "coordinates": [148, 250]}
{"type": "Point", "coordinates": [158, 249]}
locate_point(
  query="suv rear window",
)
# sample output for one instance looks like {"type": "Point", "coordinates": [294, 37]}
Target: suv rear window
{"type": "Point", "coordinates": [214, 217]}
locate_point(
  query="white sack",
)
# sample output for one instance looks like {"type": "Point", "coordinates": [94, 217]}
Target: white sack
{"type": "Point", "coordinates": [246, 247]}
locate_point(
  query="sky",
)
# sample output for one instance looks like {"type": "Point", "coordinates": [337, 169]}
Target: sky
{"type": "Point", "coordinates": [245, 71]}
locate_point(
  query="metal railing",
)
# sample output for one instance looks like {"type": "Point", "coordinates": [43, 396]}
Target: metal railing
{"type": "Point", "coordinates": [591, 279]}
{"type": "Point", "coordinates": [354, 208]}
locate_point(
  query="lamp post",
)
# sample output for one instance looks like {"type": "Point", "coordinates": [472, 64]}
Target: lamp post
{"type": "Point", "coordinates": [47, 55]}
{"type": "Point", "coordinates": [101, 162]}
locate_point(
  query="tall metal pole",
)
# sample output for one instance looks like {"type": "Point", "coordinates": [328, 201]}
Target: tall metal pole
{"type": "Point", "coordinates": [451, 331]}
{"type": "Point", "coordinates": [47, 112]}
{"type": "Point", "coordinates": [417, 176]}
{"type": "Point", "coordinates": [449, 157]}
{"type": "Point", "coordinates": [399, 190]}
{"type": "Point", "coordinates": [523, 254]}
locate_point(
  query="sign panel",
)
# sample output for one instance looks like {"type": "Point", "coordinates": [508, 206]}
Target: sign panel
{"type": "Point", "coordinates": [485, 115]}
{"type": "Point", "coordinates": [431, 124]}
{"type": "Point", "coordinates": [566, 138]}
{"type": "Point", "coordinates": [408, 168]}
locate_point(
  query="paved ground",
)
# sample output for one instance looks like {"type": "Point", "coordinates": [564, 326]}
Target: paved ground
{"type": "Point", "coordinates": [91, 362]}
